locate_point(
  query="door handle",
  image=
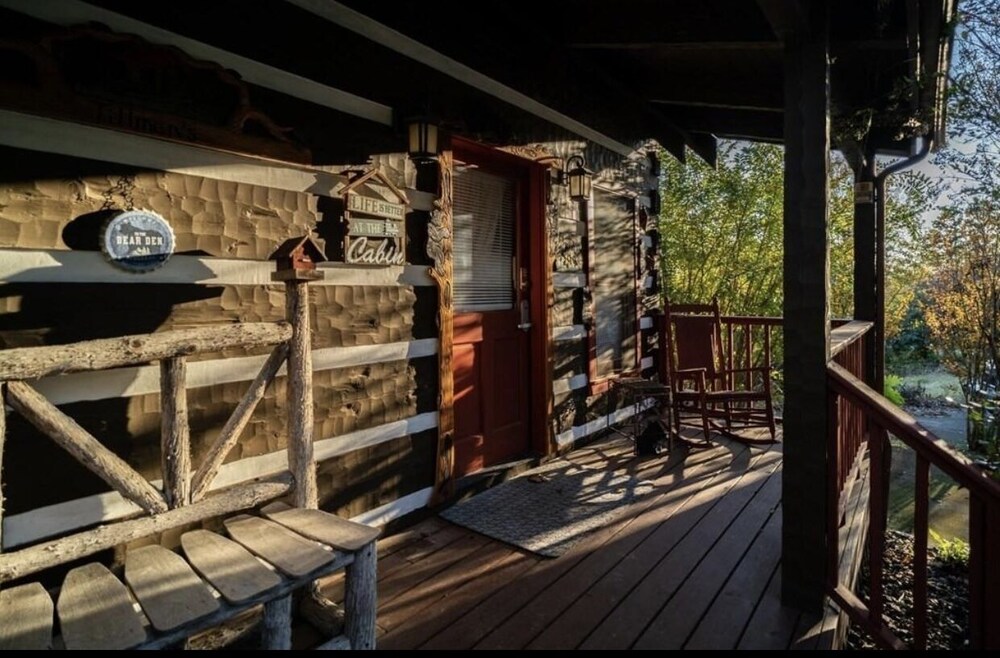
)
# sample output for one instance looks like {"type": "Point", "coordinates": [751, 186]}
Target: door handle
{"type": "Point", "coordinates": [525, 311]}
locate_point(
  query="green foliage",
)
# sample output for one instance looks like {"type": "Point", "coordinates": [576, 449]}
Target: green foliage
{"type": "Point", "coordinates": [953, 552]}
{"type": "Point", "coordinates": [961, 304]}
{"type": "Point", "coordinates": [722, 232]}
{"type": "Point", "coordinates": [891, 386]}
{"type": "Point", "coordinates": [974, 100]}
{"type": "Point", "coordinates": [910, 347]}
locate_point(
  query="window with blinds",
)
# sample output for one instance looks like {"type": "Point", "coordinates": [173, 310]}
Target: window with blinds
{"type": "Point", "coordinates": [483, 221]}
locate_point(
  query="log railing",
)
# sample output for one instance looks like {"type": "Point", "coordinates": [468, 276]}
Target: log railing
{"type": "Point", "coordinates": [180, 490]}
{"type": "Point", "coordinates": [860, 418]}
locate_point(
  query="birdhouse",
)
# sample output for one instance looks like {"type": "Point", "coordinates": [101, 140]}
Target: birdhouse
{"type": "Point", "coordinates": [296, 259]}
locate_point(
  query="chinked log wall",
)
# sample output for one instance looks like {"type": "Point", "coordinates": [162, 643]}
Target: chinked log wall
{"type": "Point", "coordinates": [375, 345]}
{"type": "Point", "coordinates": [578, 412]}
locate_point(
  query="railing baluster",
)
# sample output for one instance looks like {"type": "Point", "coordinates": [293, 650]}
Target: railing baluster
{"type": "Point", "coordinates": [833, 488]}
{"type": "Point", "coordinates": [175, 433]}
{"type": "Point", "coordinates": [876, 533]}
{"type": "Point", "coordinates": [748, 361]}
{"type": "Point", "coordinates": [729, 354]}
{"type": "Point", "coordinates": [977, 572]}
{"type": "Point", "coordinates": [921, 480]}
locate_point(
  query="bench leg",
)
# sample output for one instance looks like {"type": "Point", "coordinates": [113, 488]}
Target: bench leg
{"type": "Point", "coordinates": [361, 598]}
{"type": "Point", "coordinates": [277, 626]}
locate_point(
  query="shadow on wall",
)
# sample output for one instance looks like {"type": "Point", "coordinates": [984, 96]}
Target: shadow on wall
{"type": "Point", "coordinates": [36, 471]}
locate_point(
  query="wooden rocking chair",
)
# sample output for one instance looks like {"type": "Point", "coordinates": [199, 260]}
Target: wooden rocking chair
{"type": "Point", "coordinates": [705, 394]}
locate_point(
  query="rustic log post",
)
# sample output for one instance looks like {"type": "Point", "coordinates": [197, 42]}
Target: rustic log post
{"type": "Point", "coordinates": [3, 442]}
{"type": "Point", "coordinates": [276, 631]}
{"type": "Point", "coordinates": [806, 303]}
{"type": "Point", "coordinates": [361, 598]}
{"type": "Point", "coordinates": [439, 248]}
{"type": "Point", "coordinates": [175, 432]}
{"type": "Point", "coordinates": [231, 431]}
{"type": "Point", "coordinates": [85, 448]}
{"type": "Point", "coordinates": [300, 396]}
{"type": "Point", "coordinates": [296, 268]}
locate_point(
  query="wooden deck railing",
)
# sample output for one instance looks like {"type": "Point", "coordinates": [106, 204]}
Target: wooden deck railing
{"type": "Point", "coordinates": [861, 418]}
{"type": "Point", "coordinates": [847, 349]}
{"type": "Point", "coordinates": [748, 344]}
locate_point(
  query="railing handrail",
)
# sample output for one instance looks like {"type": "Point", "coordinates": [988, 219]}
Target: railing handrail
{"type": "Point", "coordinates": [26, 363]}
{"type": "Point", "coordinates": [846, 334]}
{"type": "Point", "coordinates": [905, 427]}
{"type": "Point", "coordinates": [753, 319]}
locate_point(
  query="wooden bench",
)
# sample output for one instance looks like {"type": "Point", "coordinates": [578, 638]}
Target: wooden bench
{"type": "Point", "coordinates": [213, 579]}
{"type": "Point", "coordinates": [158, 598]}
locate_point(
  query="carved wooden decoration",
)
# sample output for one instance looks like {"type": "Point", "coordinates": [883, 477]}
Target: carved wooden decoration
{"type": "Point", "coordinates": [120, 81]}
{"type": "Point", "coordinates": [534, 152]}
{"type": "Point", "coordinates": [439, 248]}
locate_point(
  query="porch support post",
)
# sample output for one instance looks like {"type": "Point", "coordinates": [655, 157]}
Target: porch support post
{"type": "Point", "coordinates": [865, 227]}
{"type": "Point", "coordinates": [806, 306]}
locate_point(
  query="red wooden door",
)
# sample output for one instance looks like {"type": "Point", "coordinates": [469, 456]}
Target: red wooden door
{"type": "Point", "coordinates": [491, 345]}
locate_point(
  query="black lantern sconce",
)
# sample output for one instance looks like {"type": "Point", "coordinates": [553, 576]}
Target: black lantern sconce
{"type": "Point", "coordinates": [422, 140]}
{"type": "Point", "coordinates": [578, 178]}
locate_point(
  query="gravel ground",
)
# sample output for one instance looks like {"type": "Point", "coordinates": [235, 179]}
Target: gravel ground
{"type": "Point", "coordinates": [947, 595]}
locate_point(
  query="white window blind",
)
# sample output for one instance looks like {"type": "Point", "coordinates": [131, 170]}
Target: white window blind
{"type": "Point", "coordinates": [483, 217]}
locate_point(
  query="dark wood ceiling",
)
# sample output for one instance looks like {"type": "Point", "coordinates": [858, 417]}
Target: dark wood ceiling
{"type": "Point", "coordinates": [680, 71]}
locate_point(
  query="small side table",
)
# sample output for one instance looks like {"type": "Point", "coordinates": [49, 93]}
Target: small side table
{"type": "Point", "coordinates": [634, 390]}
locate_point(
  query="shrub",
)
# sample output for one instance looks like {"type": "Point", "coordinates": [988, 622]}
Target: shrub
{"type": "Point", "coordinates": [953, 552]}
{"type": "Point", "coordinates": [892, 384]}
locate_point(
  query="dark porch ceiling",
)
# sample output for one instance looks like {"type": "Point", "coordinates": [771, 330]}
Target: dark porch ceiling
{"type": "Point", "coordinates": [680, 71]}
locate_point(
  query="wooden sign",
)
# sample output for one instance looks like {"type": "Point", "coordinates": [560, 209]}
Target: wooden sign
{"type": "Point", "coordinates": [371, 206]}
{"type": "Point", "coordinates": [375, 230]}
{"type": "Point", "coordinates": [138, 241]}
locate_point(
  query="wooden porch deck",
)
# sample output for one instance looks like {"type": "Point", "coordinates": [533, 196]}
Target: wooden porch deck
{"type": "Point", "coordinates": [694, 565]}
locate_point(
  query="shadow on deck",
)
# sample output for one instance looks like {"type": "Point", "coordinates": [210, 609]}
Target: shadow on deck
{"type": "Point", "coordinates": [695, 564]}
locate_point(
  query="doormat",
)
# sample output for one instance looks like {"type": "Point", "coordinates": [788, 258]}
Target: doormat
{"type": "Point", "coordinates": [549, 509]}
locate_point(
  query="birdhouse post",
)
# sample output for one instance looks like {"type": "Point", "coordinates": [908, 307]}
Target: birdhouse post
{"type": "Point", "coordinates": [296, 266]}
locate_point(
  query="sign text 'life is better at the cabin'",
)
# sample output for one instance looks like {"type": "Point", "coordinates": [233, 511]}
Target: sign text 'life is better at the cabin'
{"type": "Point", "coordinates": [375, 230]}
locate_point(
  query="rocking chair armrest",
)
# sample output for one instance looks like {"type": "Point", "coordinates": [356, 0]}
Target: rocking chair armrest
{"type": "Point", "coordinates": [690, 373]}
{"type": "Point", "coordinates": [754, 369]}
{"type": "Point", "coordinates": [697, 375]}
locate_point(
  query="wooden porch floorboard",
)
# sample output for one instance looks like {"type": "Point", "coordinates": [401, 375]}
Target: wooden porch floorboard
{"type": "Point", "coordinates": [694, 566]}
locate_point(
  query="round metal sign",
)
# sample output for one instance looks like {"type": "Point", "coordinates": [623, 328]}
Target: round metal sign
{"type": "Point", "coordinates": [138, 241]}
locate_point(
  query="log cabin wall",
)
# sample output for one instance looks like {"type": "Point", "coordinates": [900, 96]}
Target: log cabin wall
{"type": "Point", "coordinates": [53, 204]}
{"type": "Point", "coordinates": [582, 407]}
{"type": "Point", "coordinates": [376, 366]}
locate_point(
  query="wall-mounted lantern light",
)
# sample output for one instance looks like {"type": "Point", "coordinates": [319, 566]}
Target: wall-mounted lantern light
{"type": "Point", "coordinates": [578, 178]}
{"type": "Point", "coordinates": [422, 144]}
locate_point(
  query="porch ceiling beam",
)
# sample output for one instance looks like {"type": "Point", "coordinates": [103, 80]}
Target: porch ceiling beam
{"type": "Point", "coordinates": [726, 122]}
{"type": "Point", "coordinates": [666, 46]}
{"type": "Point", "coordinates": [719, 90]}
{"type": "Point", "coordinates": [359, 23]}
{"type": "Point", "coordinates": [717, 46]}
{"type": "Point", "coordinates": [707, 147]}
{"type": "Point", "coordinates": [718, 105]}
{"type": "Point", "coordinates": [74, 12]}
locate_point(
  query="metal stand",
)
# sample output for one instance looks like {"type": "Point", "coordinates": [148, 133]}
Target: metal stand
{"type": "Point", "coordinates": [634, 390]}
